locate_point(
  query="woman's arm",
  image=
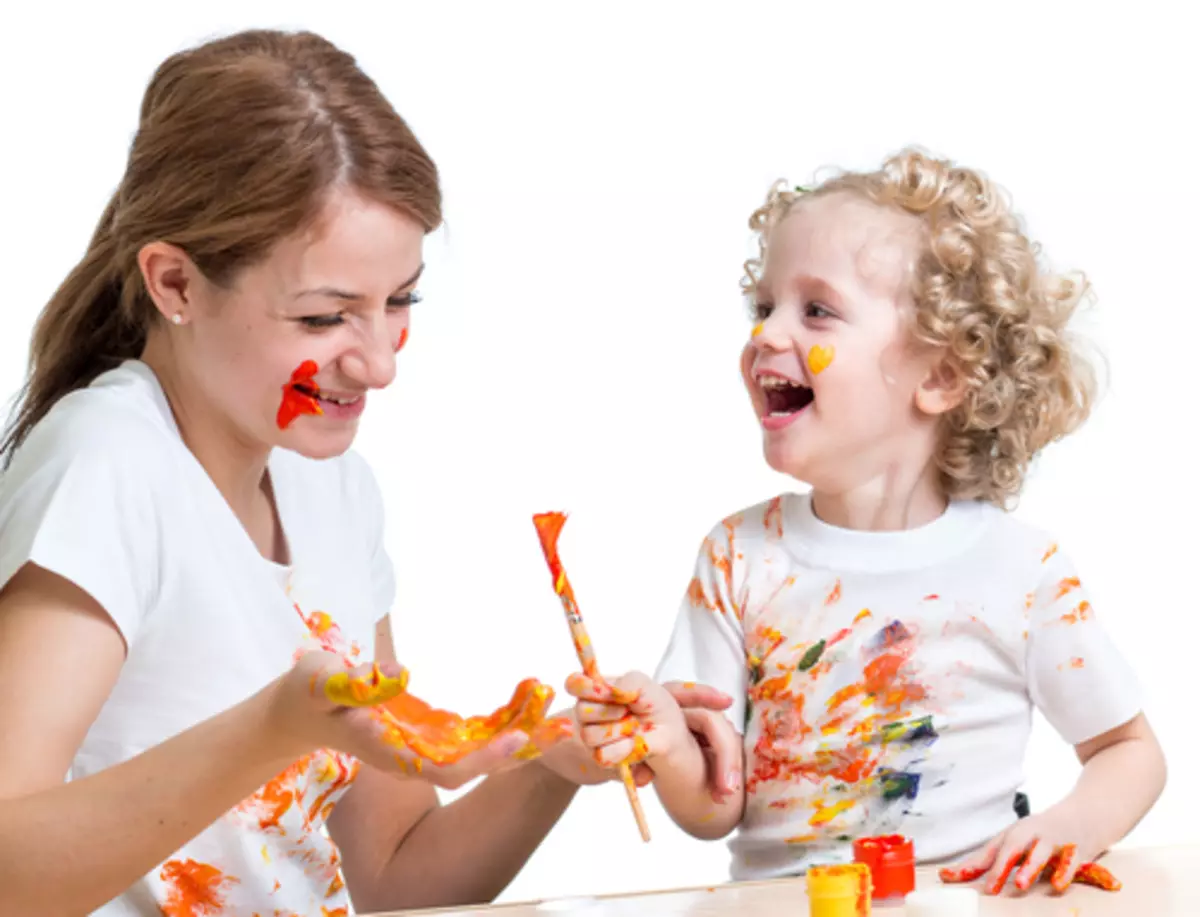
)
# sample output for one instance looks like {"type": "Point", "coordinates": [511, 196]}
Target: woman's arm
{"type": "Point", "coordinates": [401, 849]}
{"type": "Point", "coordinates": [68, 848]}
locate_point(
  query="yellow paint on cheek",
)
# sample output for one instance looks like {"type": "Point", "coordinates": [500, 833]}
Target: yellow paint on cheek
{"type": "Point", "coordinates": [756, 330]}
{"type": "Point", "coordinates": [819, 358]}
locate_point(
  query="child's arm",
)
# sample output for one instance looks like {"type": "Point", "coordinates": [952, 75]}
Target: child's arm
{"type": "Point", "coordinates": [651, 728]}
{"type": "Point", "coordinates": [1124, 772]}
{"type": "Point", "coordinates": [1083, 685]}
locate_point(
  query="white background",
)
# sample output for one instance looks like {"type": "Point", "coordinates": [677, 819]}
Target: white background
{"type": "Point", "coordinates": [577, 347]}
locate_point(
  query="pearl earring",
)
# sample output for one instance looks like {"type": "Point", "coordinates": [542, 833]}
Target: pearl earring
{"type": "Point", "coordinates": [177, 318]}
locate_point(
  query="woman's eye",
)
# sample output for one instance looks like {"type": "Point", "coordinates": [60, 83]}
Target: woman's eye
{"type": "Point", "coordinates": [321, 321]}
{"type": "Point", "coordinates": [403, 302]}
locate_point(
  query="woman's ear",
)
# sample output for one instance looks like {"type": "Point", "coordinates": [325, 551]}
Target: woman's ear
{"type": "Point", "coordinates": [942, 390]}
{"type": "Point", "coordinates": [170, 278]}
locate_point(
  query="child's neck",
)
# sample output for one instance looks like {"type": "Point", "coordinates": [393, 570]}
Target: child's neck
{"type": "Point", "coordinates": [886, 503]}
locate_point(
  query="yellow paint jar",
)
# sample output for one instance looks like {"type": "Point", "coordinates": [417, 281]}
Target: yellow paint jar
{"type": "Point", "coordinates": [839, 891]}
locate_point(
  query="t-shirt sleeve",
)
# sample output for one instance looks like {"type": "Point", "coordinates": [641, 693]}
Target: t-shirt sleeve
{"type": "Point", "coordinates": [83, 507]}
{"type": "Point", "coordinates": [1078, 678]}
{"type": "Point", "coordinates": [706, 644]}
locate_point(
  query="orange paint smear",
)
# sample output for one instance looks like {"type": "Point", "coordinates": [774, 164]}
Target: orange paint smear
{"type": "Point", "coordinates": [884, 688]}
{"type": "Point", "coordinates": [194, 889]}
{"type": "Point", "coordinates": [298, 395]}
{"type": "Point", "coordinates": [403, 339]}
{"type": "Point", "coordinates": [819, 358]}
{"type": "Point", "coordinates": [1055, 868]}
{"type": "Point", "coordinates": [443, 737]}
{"type": "Point", "coordinates": [773, 517]}
{"type": "Point", "coordinates": [1080, 612]}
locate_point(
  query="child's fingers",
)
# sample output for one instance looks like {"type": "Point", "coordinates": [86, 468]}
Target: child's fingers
{"type": "Point", "coordinates": [642, 775]}
{"type": "Point", "coordinates": [723, 747]}
{"type": "Point", "coordinates": [613, 753]}
{"type": "Point", "coordinates": [1064, 873]}
{"type": "Point", "coordinates": [973, 866]}
{"type": "Point", "coordinates": [597, 690]}
{"type": "Point", "coordinates": [1040, 855]}
{"type": "Point", "coordinates": [1009, 858]}
{"type": "Point", "coordinates": [691, 694]}
{"type": "Point", "coordinates": [587, 712]}
{"type": "Point", "coordinates": [606, 733]}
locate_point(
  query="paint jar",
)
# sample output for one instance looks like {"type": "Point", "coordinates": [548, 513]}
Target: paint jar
{"type": "Point", "coordinates": [890, 860]}
{"type": "Point", "coordinates": [942, 902]}
{"type": "Point", "coordinates": [839, 891]}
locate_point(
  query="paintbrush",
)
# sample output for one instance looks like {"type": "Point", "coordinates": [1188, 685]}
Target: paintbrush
{"type": "Point", "coordinates": [548, 526]}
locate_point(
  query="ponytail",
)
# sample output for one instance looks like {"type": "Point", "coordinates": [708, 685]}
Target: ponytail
{"type": "Point", "coordinates": [86, 328]}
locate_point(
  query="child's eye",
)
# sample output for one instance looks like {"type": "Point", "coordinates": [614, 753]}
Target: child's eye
{"type": "Point", "coordinates": [762, 310]}
{"type": "Point", "coordinates": [816, 310]}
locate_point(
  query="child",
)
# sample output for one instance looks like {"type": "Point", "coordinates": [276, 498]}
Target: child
{"type": "Point", "coordinates": [887, 635]}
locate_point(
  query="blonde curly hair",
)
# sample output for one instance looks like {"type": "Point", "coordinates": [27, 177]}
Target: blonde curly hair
{"type": "Point", "coordinates": [982, 298]}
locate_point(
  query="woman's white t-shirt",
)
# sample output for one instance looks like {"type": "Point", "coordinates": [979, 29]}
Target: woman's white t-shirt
{"type": "Point", "coordinates": [104, 493]}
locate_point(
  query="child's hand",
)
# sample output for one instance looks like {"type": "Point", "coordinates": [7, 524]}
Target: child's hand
{"type": "Point", "coordinates": [1052, 842]}
{"type": "Point", "coordinates": [628, 721]}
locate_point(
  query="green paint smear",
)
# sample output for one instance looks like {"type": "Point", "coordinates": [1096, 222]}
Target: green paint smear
{"type": "Point", "coordinates": [811, 657]}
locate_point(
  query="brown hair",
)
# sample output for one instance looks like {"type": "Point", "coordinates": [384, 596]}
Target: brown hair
{"type": "Point", "coordinates": [238, 142]}
{"type": "Point", "coordinates": [982, 297]}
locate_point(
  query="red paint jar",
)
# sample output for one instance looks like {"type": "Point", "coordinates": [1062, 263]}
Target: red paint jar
{"type": "Point", "coordinates": [891, 862]}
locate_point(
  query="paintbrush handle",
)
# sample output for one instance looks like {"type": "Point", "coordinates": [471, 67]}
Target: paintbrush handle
{"type": "Point", "coordinates": [548, 526]}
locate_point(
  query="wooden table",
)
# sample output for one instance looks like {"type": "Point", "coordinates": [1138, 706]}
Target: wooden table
{"type": "Point", "coordinates": [1158, 882]}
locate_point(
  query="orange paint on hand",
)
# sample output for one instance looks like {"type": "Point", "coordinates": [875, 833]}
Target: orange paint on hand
{"type": "Point", "coordinates": [299, 395]}
{"type": "Point", "coordinates": [819, 358]}
{"type": "Point", "coordinates": [954, 874]}
{"type": "Point", "coordinates": [1096, 875]}
{"type": "Point", "coordinates": [194, 889]}
{"type": "Point", "coordinates": [443, 737]}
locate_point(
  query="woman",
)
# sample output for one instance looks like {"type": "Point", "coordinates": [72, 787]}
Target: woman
{"type": "Point", "coordinates": [188, 550]}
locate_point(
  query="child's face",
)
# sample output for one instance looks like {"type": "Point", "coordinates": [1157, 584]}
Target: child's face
{"type": "Point", "coordinates": [843, 398]}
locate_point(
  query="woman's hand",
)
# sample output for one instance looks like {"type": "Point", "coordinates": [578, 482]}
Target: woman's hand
{"type": "Point", "coordinates": [322, 702]}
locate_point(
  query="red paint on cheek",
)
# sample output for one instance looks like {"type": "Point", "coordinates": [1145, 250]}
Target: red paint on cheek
{"type": "Point", "coordinates": [403, 340]}
{"type": "Point", "coordinates": [298, 395]}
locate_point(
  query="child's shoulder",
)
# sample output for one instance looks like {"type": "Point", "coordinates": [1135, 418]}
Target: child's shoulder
{"type": "Point", "coordinates": [1019, 540]}
{"type": "Point", "coordinates": [757, 522]}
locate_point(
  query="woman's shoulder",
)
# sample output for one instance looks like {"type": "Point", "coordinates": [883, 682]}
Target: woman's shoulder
{"type": "Point", "coordinates": [120, 425]}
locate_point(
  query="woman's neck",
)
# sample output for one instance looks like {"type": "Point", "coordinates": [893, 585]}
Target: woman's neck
{"type": "Point", "coordinates": [238, 469]}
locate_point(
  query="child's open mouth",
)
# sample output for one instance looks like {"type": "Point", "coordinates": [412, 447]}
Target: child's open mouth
{"type": "Point", "coordinates": [784, 397]}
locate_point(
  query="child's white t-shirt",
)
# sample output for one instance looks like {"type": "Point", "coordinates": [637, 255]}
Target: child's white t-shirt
{"type": "Point", "coordinates": [104, 493]}
{"type": "Point", "coordinates": [884, 682]}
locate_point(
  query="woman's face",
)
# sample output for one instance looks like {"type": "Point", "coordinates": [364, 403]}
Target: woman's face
{"type": "Point", "coordinates": [286, 354]}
